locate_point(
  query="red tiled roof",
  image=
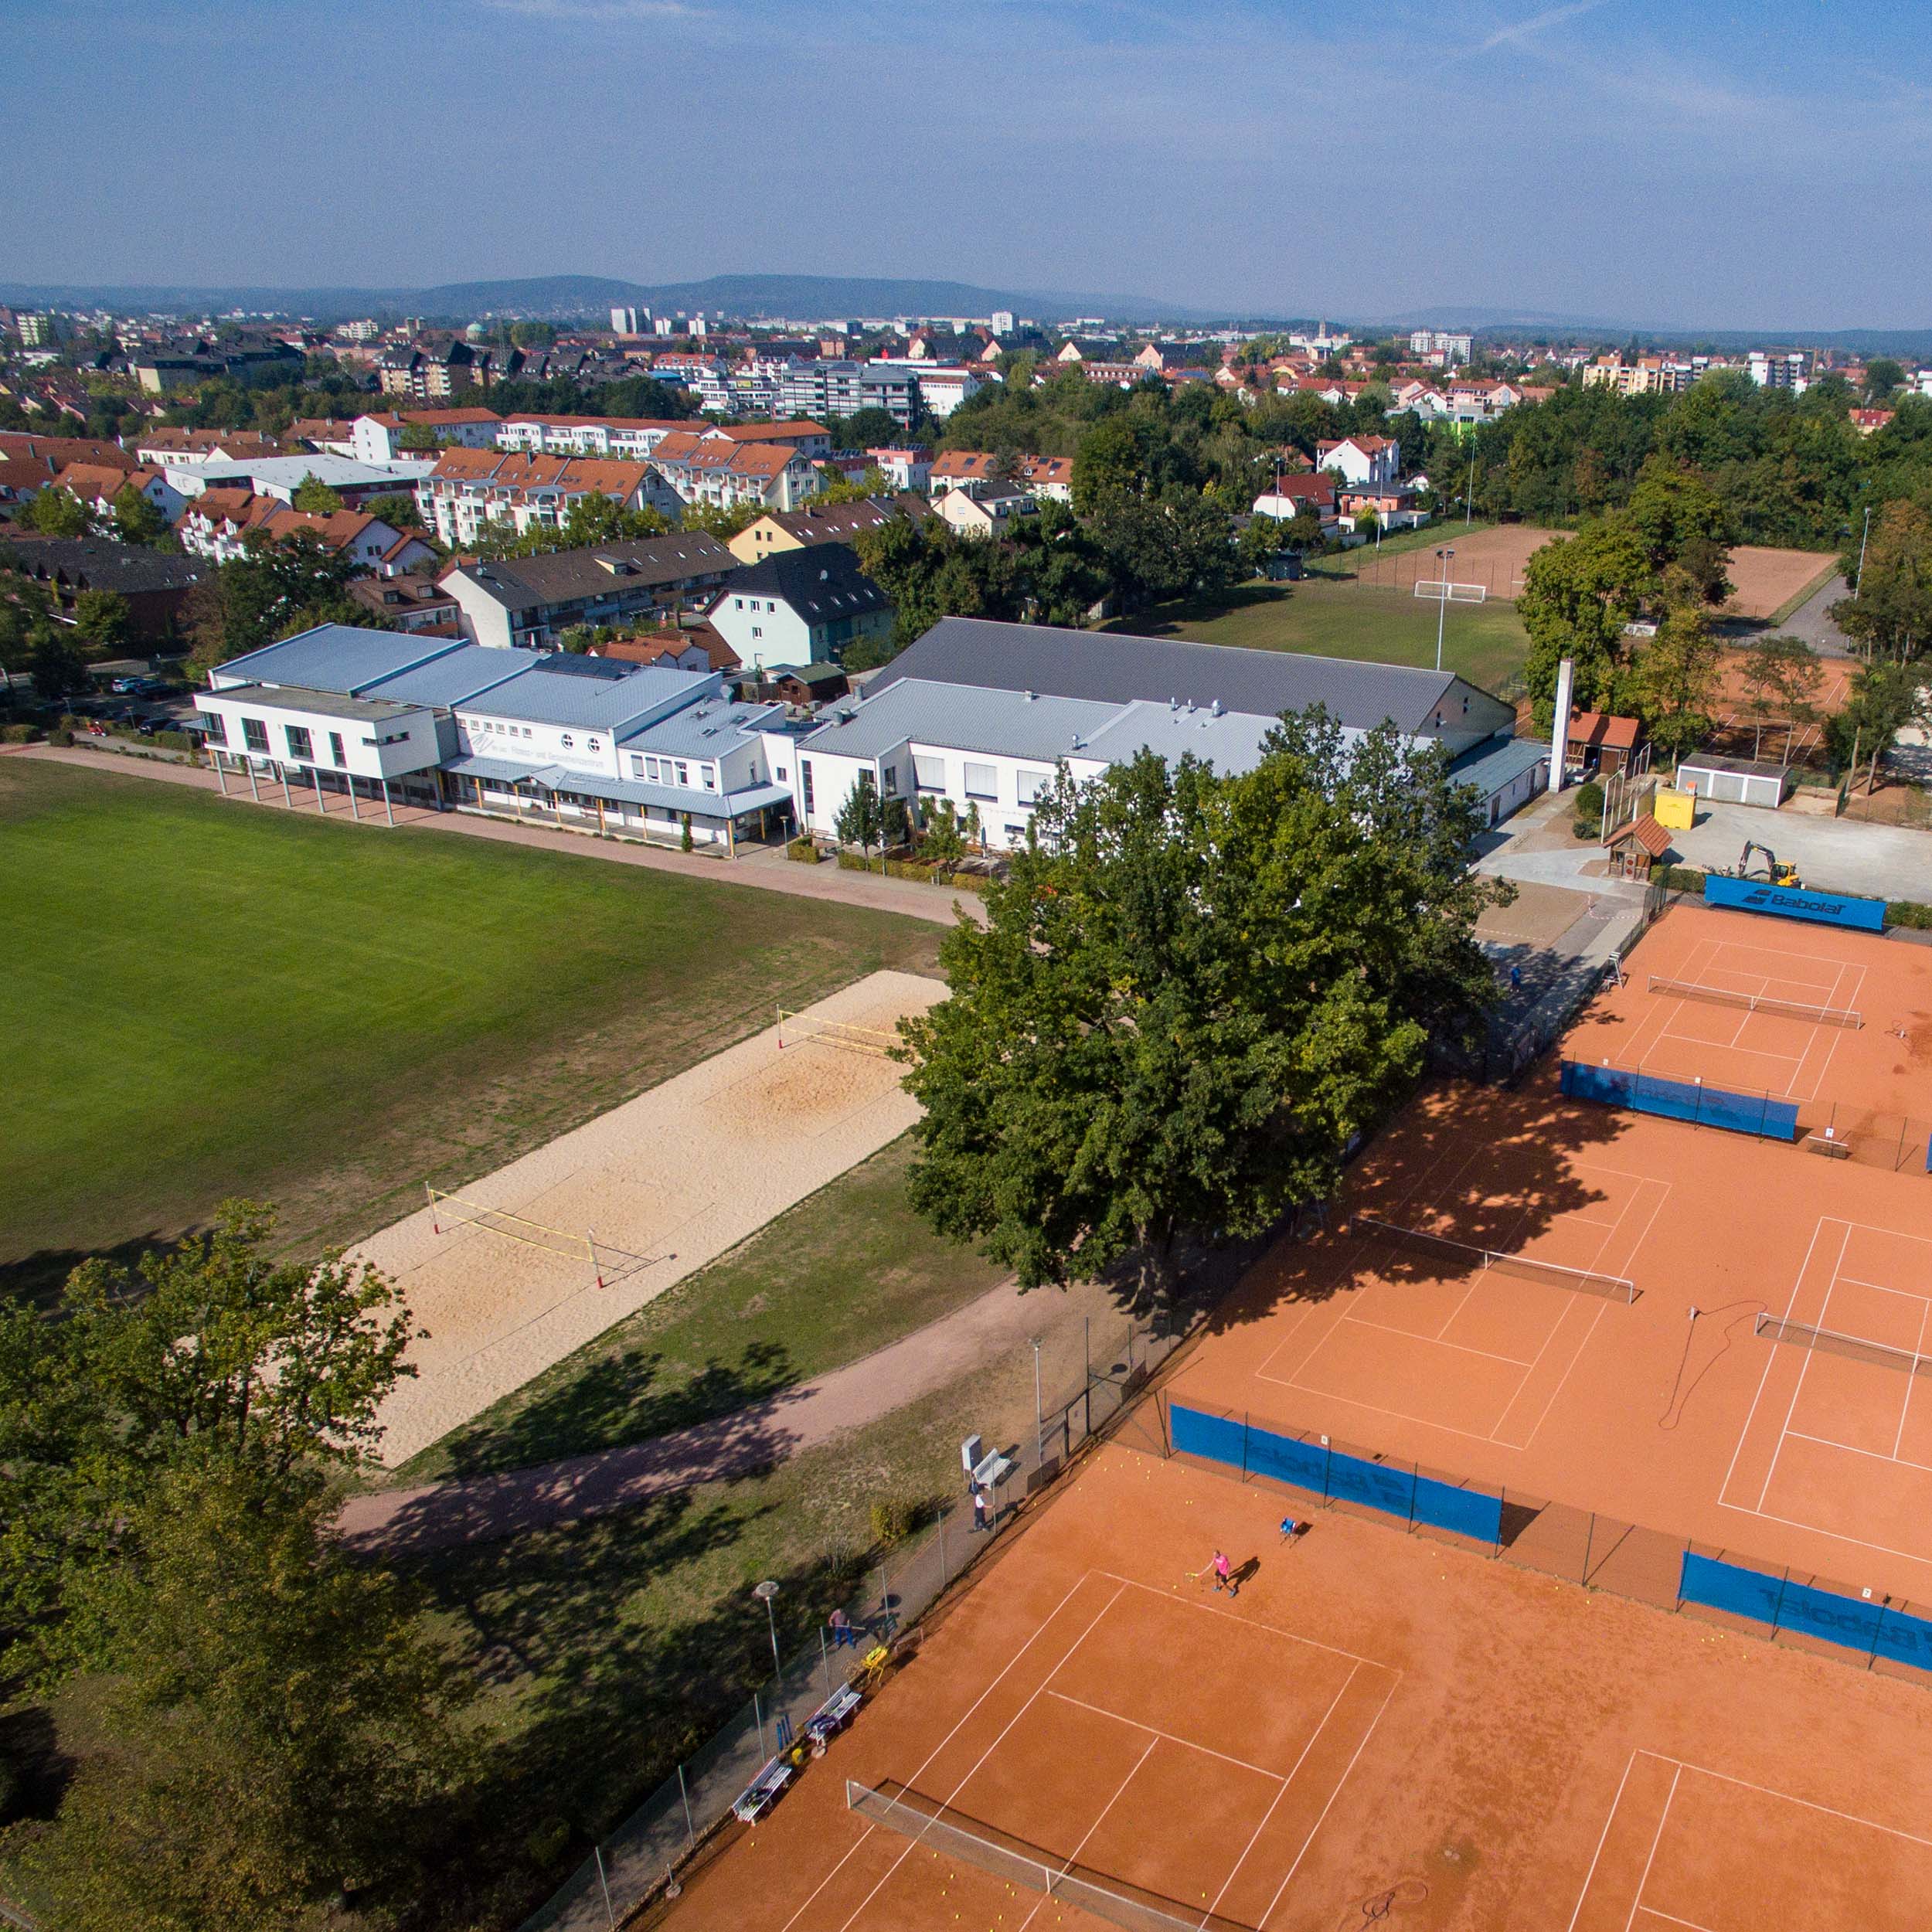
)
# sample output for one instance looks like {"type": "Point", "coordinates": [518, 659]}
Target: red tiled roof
{"type": "Point", "coordinates": [1603, 729]}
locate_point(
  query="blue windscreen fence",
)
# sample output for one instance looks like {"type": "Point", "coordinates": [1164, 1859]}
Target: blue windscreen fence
{"type": "Point", "coordinates": [1775, 1120]}
{"type": "Point", "coordinates": [1336, 1477]}
{"type": "Point", "coordinates": [1860, 1624]}
{"type": "Point", "coordinates": [1792, 902]}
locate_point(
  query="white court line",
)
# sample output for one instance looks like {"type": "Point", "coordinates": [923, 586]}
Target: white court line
{"type": "Point", "coordinates": [886, 1877]}
{"type": "Point", "coordinates": [1836, 1033]}
{"type": "Point", "coordinates": [1663, 1818]}
{"type": "Point", "coordinates": [1372, 1408]}
{"type": "Point", "coordinates": [1012, 1663]}
{"type": "Point", "coordinates": [1603, 1838]}
{"type": "Point", "coordinates": [1073, 1857]}
{"type": "Point", "coordinates": [1771, 1362]}
{"type": "Point", "coordinates": [1852, 1449]}
{"type": "Point", "coordinates": [1804, 1367]}
{"type": "Point", "coordinates": [1247, 1623]}
{"type": "Point", "coordinates": [1857, 1281]}
{"type": "Point", "coordinates": [1301, 1758]}
{"type": "Point", "coordinates": [1436, 1341]}
{"type": "Point", "coordinates": [1630, 1260]}
{"type": "Point", "coordinates": [1671, 1918]}
{"type": "Point", "coordinates": [1315, 1829]}
{"type": "Point", "coordinates": [1767, 1790]}
{"type": "Point", "coordinates": [1904, 1411]}
{"type": "Point", "coordinates": [1819, 1529]}
{"type": "Point", "coordinates": [1155, 1732]}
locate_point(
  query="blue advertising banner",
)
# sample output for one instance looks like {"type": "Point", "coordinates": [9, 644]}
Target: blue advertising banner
{"type": "Point", "coordinates": [1788, 902]}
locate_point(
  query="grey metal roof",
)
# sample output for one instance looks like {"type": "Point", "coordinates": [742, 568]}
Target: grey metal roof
{"type": "Point", "coordinates": [336, 657]}
{"type": "Point", "coordinates": [458, 674]}
{"type": "Point", "coordinates": [550, 694]}
{"type": "Point", "coordinates": [498, 771]}
{"type": "Point", "coordinates": [707, 729]}
{"type": "Point", "coordinates": [960, 717]}
{"type": "Point", "coordinates": [820, 582]}
{"type": "Point", "coordinates": [1116, 668]}
{"type": "Point", "coordinates": [320, 704]}
{"type": "Point", "coordinates": [338, 472]}
{"type": "Point", "coordinates": [1496, 766]}
{"type": "Point", "coordinates": [1230, 742]}
{"type": "Point", "coordinates": [695, 799]}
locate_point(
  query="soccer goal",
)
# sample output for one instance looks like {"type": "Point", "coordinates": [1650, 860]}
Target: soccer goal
{"type": "Point", "coordinates": [1440, 590]}
{"type": "Point", "coordinates": [450, 1211]}
{"type": "Point", "coordinates": [801, 1029]}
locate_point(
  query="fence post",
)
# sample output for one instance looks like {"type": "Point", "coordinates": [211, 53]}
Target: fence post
{"type": "Point", "coordinates": [596, 1851]}
{"type": "Point", "coordinates": [758, 1713]}
{"type": "Point", "coordinates": [1777, 1609]}
{"type": "Point", "coordinates": [1590, 1545]}
{"type": "Point", "coordinates": [1244, 1445]}
{"type": "Point", "coordinates": [684, 1792]}
{"type": "Point", "coordinates": [824, 1655]}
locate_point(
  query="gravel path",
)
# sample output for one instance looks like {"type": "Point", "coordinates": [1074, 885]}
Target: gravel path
{"type": "Point", "coordinates": [486, 1508]}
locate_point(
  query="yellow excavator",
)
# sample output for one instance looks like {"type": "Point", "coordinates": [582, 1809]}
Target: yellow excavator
{"type": "Point", "coordinates": [1775, 869]}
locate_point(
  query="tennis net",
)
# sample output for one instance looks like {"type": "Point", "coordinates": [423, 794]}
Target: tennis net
{"type": "Point", "coordinates": [948, 1834]}
{"type": "Point", "coordinates": [1846, 1016]}
{"type": "Point", "coordinates": [1855, 1347]}
{"type": "Point", "coordinates": [1614, 1287]}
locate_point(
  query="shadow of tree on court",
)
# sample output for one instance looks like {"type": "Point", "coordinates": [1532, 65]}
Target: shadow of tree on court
{"type": "Point", "coordinates": [619, 1400]}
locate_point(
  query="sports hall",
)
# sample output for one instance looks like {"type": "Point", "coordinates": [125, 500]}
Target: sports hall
{"type": "Point", "coordinates": [1697, 1348]}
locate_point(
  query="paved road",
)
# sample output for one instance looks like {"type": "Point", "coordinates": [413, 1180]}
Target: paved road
{"type": "Point", "coordinates": [767, 869]}
{"type": "Point", "coordinates": [1812, 622]}
{"type": "Point", "coordinates": [1834, 855]}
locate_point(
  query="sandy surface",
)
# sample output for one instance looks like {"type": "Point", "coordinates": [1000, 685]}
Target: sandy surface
{"type": "Point", "coordinates": [668, 1181]}
{"type": "Point", "coordinates": [1766, 579]}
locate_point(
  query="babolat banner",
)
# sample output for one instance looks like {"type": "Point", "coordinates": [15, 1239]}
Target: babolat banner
{"type": "Point", "coordinates": [1788, 902]}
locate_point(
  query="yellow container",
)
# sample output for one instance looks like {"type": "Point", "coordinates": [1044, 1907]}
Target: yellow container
{"type": "Point", "coordinates": [1672, 810]}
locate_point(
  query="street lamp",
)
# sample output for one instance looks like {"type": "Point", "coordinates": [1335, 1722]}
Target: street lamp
{"type": "Point", "coordinates": [1863, 540]}
{"type": "Point", "coordinates": [1442, 603]}
{"type": "Point", "coordinates": [769, 1590]}
{"type": "Point", "coordinates": [1039, 1425]}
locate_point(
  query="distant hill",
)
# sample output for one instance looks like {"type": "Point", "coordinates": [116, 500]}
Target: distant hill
{"type": "Point", "coordinates": [567, 297]}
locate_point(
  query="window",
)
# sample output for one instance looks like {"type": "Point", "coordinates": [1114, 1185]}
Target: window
{"type": "Point", "coordinates": [804, 778]}
{"type": "Point", "coordinates": [336, 749]}
{"type": "Point", "coordinates": [590, 744]}
{"type": "Point", "coordinates": [1032, 784]}
{"type": "Point", "coordinates": [982, 781]}
{"type": "Point", "coordinates": [637, 766]}
{"type": "Point", "coordinates": [889, 780]}
{"type": "Point", "coordinates": [778, 774]}
{"type": "Point", "coordinates": [568, 741]}
{"type": "Point", "coordinates": [709, 774]}
{"type": "Point", "coordinates": [929, 774]}
{"type": "Point", "coordinates": [300, 747]}
{"type": "Point", "coordinates": [737, 603]}
{"type": "Point", "coordinates": [684, 773]}
{"type": "Point", "coordinates": [255, 734]}
{"type": "Point", "coordinates": [217, 727]}
{"type": "Point", "coordinates": [757, 630]}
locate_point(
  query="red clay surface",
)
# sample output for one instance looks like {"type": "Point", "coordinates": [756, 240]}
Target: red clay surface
{"type": "Point", "coordinates": [1376, 1730]}
{"type": "Point", "coordinates": [1493, 558]}
{"type": "Point", "coordinates": [1699, 1429]}
{"type": "Point", "coordinates": [1738, 714]}
{"type": "Point", "coordinates": [1764, 580]}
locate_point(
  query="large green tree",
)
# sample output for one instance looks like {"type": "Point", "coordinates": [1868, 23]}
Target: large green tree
{"type": "Point", "coordinates": [1191, 993]}
{"type": "Point", "coordinates": [1889, 615]}
{"type": "Point", "coordinates": [1577, 597]}
{"type": "Point", "coordinates": [1674, 680]}
{"type": "Point", "coordinates": [274, 590]}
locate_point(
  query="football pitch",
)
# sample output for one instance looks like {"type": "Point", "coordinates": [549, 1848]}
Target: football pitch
{"type": "Point", "coordinates": [205, 1000]}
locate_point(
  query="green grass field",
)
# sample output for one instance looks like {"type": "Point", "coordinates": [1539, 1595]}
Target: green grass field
{"type": "Point", "coordinates": [206, 999]}
{"type": "Point", "coordinates": [847, 1270]}
{"type": "Point", "coordinates": [1334, 616]}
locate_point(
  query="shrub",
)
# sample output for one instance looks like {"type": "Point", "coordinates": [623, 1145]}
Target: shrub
{"type": "Point", "coordinates": [60, 735]}
{"type": "Point", "coordinates": [18, 734]}
{"type": "Point", "coordinates": [1588, 806]}
{"type": "Point", "coordinates": [804, 851]}
{"type": "Point", "coordinates": [1909, 912]}
{"type": "Point", "coordinates": [893, 1520]}
{"type": "Point", "coordinates": [1678, 878]}
{"type": "Point", "coordinates": [175, 740]}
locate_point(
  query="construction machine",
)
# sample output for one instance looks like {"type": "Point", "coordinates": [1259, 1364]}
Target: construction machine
{"type": "Point", "coordinates": [1775, 869]}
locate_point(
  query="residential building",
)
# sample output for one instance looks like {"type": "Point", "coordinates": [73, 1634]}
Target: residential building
{"type": "Point", "coordinates": [699, 467]}
{"type": "Point", "coordinates": [1047, 477]}
{"type": "Point", "coordinates": [1647, 376]}
{"type": "Point", "coordinates": [800, 606]}
{"type": "Point", "coordinates": [411, 600]}
{"type": "Point", "coordinates": [942, 386]}
{"type": "Point", "coordinates": [428, 375]}
{"type": "Point", "coordinates": [1869, 422]}
{"type": "Point", "coordinates": [682, 646]}
{"type": "Point", "coordinates": [822, 523]}
{"type": "Point", "coordinates": [471, 488]}
{"type": "Point", "coordinates": [629, 321]}
{"type": "Point", "coordinates": [155, 583]}
{"type": "Point", "coordinates": [166, 447]}
{"type": "Point", "coordinates": [1452, 345]}
{"type": "Point", "coordinates": [218, 523]}
{"type": "Point", "coordinates": [1392, 504]}
{"type": "Point", "coordinates": [282, 477]}
{"type": "Point", "coordinates": [630, 439]}
{"type": "Point", "coordinates": [1790, 369]}
{"type": "Point", "coordinates": [529, 602]}
{"type": "Point", "coordinates": [1292, 495]}
{"type": "Point", "coordinates": [983, 713]}
{"type": "Point", "coordinates": [381, 437]}
{"type": "Point", "coordinates": [51, 453]}
{"type": "Point", "coordinates": [844, 389]}
{"type": "Point", "coordinates": [987, 512]}
{"type": "Point", "coordinates": [96, 485]}
{"type": "Point", "coordinates": [807, 438]}
{"type": "Point", "coordinates": [1361, 459]}
{"type": "Point", "coordinates": [909, 469]}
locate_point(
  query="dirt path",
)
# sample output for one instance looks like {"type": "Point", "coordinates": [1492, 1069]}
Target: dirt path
{"type": "Point", "coordinates": [769, 870]}
{"type": "Point", "coordinates": [397, 1523]}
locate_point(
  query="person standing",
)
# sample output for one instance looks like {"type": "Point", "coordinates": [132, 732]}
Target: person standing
{"type": "Point", "coordinates": [980, 1516]}
{"type": "Point", "coordinates": [1223, 1571]}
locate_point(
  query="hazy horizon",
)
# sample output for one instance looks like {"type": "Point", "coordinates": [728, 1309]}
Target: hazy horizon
{"type": "Point", "coordinates": [1745, 168]}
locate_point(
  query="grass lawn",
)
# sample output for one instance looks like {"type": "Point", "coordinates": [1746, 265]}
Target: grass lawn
{"type": "Point", "coordinates": [205, 999]}
{"type": "Point", "coordinates": [1335, 617]}
{"type": "Point", "coordinates": [848, 1269]}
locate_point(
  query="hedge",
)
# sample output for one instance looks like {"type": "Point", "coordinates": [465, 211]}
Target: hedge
{"type": "Point", "coordinates": [1678, 878]}
{"type": "Point", "coordinates": [1909, 912]}
{"type": "Point", "coordinates": [921, 875]}
{"type": "Point", "coordinates": [18, 734]}
{"type": "Point", "coordinates": [803, 850]}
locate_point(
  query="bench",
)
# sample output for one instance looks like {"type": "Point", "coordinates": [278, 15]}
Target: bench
{"type": "Point", "coordinates": [759, 1795]}
{"type": "Point", "coordinates": [832, 1717]}
{"type": "Point", "coordinates": [1827, 1144]}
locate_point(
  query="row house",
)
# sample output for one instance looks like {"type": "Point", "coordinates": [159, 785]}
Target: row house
{"type": "Point", "coordinates": [382, 436]}
{"type": "Point", "coordinates": [96, 485]}
{"type": "Point", "coordinates": [217, 524]}
{"type": "Point", "coordinates": [721, 472]}
{"type": "Point", "coordinates": [630, 439]}
{"type": "Point", "coordinates": [168, 447]}
{"type": "Point", "coordinates": [1049, 478]}
{"type": "Point", "coordinates": [470, 489]}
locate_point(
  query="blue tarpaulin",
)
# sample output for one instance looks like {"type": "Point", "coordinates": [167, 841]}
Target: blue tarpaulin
{"type": "Point", "coordinates": [1858, 1623]}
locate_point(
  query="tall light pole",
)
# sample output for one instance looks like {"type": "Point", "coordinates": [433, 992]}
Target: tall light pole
{"type": "Point", "coordinates": [769, 1591]}
{"type": "Point", "coordinates": [1469, 495]}
{"type": "Point", "coordinates": [1863, 540]}
{"type": "Point", "coordinates": [1039, 1425]}
{"type": "Point", "coordinates": [1442, 603]}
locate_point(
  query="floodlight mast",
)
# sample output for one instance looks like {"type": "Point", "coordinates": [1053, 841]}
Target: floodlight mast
{"type": "Point", "coordinates": [1442, 605]}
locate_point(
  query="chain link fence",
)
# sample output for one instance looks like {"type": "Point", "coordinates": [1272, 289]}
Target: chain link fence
{"type": "Point", "coordinates": [771, 1734]}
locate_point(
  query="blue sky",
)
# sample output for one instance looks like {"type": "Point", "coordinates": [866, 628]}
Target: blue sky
{"type": "Point", "coordinates": [1721, 166]}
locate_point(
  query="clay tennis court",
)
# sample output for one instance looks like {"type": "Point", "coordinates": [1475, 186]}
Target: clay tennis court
{"type": "Point", "coordinates": [1493, 559]}
{"type": "Point", "coordinates": [1506, 1294]}
{"type": "Point", "coordinates": [1738, 715]}
{"type": "Point", "coordinates": [1375, 1729]}
{"type": "Point", "coordinates": [1764, 580]}
{"type": "Point", "coordinates": [530, 1263]}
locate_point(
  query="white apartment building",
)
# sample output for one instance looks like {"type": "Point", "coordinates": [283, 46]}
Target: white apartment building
{"type": "Point", "coordinates": [628, 439]}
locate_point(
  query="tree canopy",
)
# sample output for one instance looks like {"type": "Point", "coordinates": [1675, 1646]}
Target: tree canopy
{"type": "Point", "coordinates": [1190, 995]}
